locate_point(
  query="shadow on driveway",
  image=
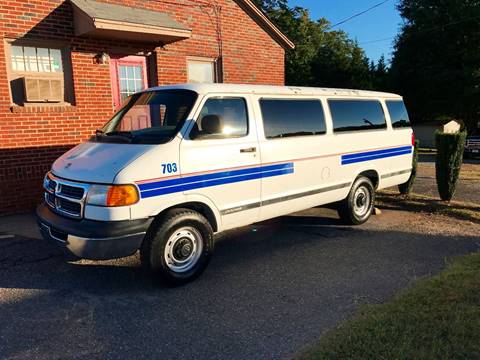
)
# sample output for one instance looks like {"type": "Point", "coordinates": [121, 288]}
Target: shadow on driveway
{"type": "Point", "coordinates": [271, 289]}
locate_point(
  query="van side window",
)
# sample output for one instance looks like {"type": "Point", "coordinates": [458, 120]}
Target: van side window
{"type": "Point", "coordinates": [221, 118]}
{"type": "Point", "coordinates": [398, 114]}
{"type": "Point", "coordinates": [352, 115]}
{"type": "Point", "coordinates": [286, 118]}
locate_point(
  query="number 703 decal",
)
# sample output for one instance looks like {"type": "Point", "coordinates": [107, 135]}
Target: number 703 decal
{"type": "Point", "coordinates": [169, 168]}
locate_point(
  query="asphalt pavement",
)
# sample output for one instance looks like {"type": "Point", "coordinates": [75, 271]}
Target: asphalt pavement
{"type": "Point", "coordinates": [271, 290]}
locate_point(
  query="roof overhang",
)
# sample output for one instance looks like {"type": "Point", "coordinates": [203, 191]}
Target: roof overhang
{"type": "Point", "coordinates": [109, 21]}
{"type": "Point", "coordinates": [263, 20]}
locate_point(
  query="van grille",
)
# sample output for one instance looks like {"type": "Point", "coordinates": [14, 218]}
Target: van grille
{"type": "Point", "coordinates": [65, 197]}
{"type": "Point", "coordinates": [71, 191]}
{"type": "Point", "coordinates": [70, 207]}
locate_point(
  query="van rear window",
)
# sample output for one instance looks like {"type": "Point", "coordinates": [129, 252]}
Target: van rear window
{"type": "Point", "coordinates": [398, 114]}
{"type": "Point", "coordinates": [287, 118]}
{"type": "Point", "coordinates": [353, 115]}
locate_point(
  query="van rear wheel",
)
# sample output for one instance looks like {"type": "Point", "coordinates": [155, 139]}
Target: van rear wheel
{"type": "Point", "coordinates": [358, 206]}
{"type": "Point", "coordinates": [179, 246]}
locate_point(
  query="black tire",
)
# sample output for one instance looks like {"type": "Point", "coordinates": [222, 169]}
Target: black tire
{"type": "Point", "coordinates": [173, 235]}
{"type": "Point", "coordinates": [351, 210]}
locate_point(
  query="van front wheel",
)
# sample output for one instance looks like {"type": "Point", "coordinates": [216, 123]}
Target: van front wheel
{"type": "Point", "coordinates": [179, 246]}
{"type": "Point", "coordinates": [358, 206]}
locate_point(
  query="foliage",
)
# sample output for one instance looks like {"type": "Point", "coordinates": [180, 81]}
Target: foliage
{"type": "Point", "coordinates": [406, 188]}
{"type": "Point", "coordinates": [450, 147]}
{"type": "Point", "coordinates": [437, 318]}
{"type": "Point", "coordinates": [323, 57]}
{"type": "Point", "coordinates": [436, 62]}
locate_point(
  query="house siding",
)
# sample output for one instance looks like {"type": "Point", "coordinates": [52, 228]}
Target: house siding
{"type": "Point", "coordinates": [32, 137]}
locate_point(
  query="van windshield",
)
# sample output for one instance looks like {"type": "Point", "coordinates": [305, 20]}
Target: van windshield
{"type": "Point", "coordinates": [152, 117]}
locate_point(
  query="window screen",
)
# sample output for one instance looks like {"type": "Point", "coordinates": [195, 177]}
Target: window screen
{"type": "Point", "coordinates": [398, 113]}
{"type": "Point", "coordinates": [201, 71]}
{"type": "Point", "coordinates": [222, 118]}
{"type": "Point", "coordinates": [284, 118]}
{"type": "Point", "coordinates": [351, 115]}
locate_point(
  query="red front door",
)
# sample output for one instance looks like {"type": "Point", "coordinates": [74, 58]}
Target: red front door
{"type": "Point", "coordinates": [128, 75]}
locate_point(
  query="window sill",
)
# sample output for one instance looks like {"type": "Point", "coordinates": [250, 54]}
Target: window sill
{"type": "Point", "coordinates": [43, 108]}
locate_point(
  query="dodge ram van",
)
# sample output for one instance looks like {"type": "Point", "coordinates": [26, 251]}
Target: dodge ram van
{"type": "Point", "coordinates": [177, 164]}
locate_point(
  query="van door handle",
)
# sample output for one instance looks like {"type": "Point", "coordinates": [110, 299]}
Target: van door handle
{"type": "Point", "coordinates": [248, 150]}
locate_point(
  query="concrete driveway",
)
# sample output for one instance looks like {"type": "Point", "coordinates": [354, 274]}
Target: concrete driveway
{"type": "Point", "coordinates": [271, 289]}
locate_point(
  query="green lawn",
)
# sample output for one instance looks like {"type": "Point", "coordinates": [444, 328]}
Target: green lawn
{"type": "Point", "coordinates": [437, 318]}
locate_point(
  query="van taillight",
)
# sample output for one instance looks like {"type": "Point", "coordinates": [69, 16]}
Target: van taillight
{"type": "Point", "coordinates": [413, 139]}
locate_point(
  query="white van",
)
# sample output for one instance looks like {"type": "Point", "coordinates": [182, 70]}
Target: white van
{"type": "Point", "coordinates": [177, 164]}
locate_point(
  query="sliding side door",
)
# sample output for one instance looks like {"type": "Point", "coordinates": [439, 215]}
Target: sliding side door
{"type": "Point", "coordinates": [295, 140]}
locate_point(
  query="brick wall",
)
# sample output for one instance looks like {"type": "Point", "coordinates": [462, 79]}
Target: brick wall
{"type": "Point", "coordinates": [31, 138]}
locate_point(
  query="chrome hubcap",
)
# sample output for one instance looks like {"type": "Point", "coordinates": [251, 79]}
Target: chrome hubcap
{"type": "Point", "coordinates": [361, 201]}
{"type": "Point", "coordinates": [183, 249]}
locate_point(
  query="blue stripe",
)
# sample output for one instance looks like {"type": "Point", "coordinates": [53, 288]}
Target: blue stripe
{"type": "Point", "coordinates": [375, 152]}
{"type": "Point", "coordinates": [215, 182]}
{"type": "Point", "coordinates": [217, 175]}
{"type": "Point", "coordinates": [346, 161]}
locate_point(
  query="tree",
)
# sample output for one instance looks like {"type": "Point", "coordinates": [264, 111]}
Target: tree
{"type": "Point", "coordinates": [270, 5]}
{"type": "Point", "coordinates": [436, 62]}
{"type": "Point", "coordinates": [321, 57]}
{"type": "Point", "coordinates": [380, 75]}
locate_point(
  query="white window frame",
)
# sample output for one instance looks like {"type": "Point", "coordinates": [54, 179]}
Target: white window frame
{"type": "Point", "coordinates": [65, 75]}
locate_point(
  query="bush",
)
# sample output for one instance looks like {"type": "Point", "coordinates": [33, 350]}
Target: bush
{"type": "Point", "coordinates": [406, 188]}
{"type": "Point", "coordinates": [450, 149]}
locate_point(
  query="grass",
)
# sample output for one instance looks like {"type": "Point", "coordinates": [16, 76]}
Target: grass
{"type": "Point", "coordinates": [437, 318]}
{"type": "Point", "coordinates": [415, 202]}
{"type": "Point", "coordinates": [469, 174]}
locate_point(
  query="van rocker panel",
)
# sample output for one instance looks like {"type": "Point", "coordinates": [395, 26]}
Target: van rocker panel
{"type": "Point", "coordinates": [90, 239]}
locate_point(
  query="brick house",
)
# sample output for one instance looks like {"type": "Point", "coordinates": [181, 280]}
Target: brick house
{"type": "Point", "coordinates": [66, 65]}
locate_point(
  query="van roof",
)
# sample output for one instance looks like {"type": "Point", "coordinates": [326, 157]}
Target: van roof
{"type": "Point", "coordinates": [273, 90]}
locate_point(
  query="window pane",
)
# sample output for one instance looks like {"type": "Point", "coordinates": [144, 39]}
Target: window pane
{"type": "Point", "coordinates": [123, 85]}
{"type": "Point", "coordinates": [34, 59]}
{"type": "Point", "coordinates": [131, 80]}
{"type": "Point", "coordinates": [282, 118]}
{"type": "Point", "coordinates": [18, 63]}
{"type": "Point", "coordinates": [137, 72]}
{"type": "Point", "coordinates": [222, 118]}
{"type": "Point", "coordinates": [129, 72]}
{"type": "Point", "coordinates": [56, 60]}
{"type": "Point", "coordinates": [153, 117]}
{"type": "Point", "coordinates": [43, 60]}
{"type": "Point", "coordinates": [200, 72]}
{"type": "Point", "coordinates": [398, 114]}
{"type": "Point", "coordinates": [123, 72]}
{"type": "Point", "coordinates": [351, 115]}
{"type": "Point", "coordinates": [138, 85]}
{"type": "Point", "coordinates": [30, 58]}
{"type": "Point", "coordinates": [131, 85]}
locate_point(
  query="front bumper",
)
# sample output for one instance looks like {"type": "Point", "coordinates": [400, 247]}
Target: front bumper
{"type": "Point", "coordinates": [90, 239]}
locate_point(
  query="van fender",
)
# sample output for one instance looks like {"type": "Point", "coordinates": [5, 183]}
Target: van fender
{"type": "Point", "coordinates": [183, 199]}
{"type": "Point", "coordinates": [370, 172]}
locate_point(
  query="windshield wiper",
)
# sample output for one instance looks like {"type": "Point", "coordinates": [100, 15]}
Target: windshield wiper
{"type": "Point", "coordinates": [126, 134]}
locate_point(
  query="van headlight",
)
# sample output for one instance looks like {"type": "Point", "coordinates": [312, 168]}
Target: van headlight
{"type": "Point", "coordinates": [112, 195]}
